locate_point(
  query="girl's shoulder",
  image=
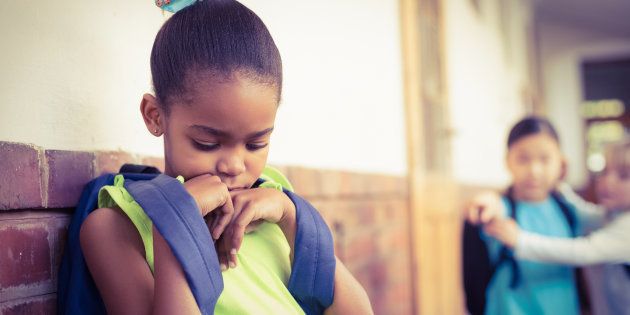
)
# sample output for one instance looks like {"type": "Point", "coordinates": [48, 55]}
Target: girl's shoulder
{"type": "Point", "coordinates": [109, 227]}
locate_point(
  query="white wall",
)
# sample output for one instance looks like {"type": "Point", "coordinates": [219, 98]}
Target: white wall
{"type": "Point", "coordinates": [73, 73]}
{"type": "Point", "coordinates": [563, 47]}
{"type": "Point", "coordinates": [487, 72]}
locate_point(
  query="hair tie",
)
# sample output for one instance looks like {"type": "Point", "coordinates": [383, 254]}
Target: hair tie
{"type": "Point", "coordinates": [174, 5]}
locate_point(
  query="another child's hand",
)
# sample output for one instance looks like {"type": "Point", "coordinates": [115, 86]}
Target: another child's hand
{"type": "Point", "coordinates": [251, 207]}
{"type": "Point", "coordinates": [211, 194]}
{"type": "Point", "coordinates": [504, 230]}
{"type": "Point", "coordinates": [484, 207]}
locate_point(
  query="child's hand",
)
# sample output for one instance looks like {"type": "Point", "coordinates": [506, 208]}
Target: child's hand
{"type": "Point", "coordinates": [251, 207]}
{"type": "Point", "coordinates": [505, 230]}
{"type": "Point", "coordinates": [211, 194]}
{"type": "Point", "coordinates": [484, 207]}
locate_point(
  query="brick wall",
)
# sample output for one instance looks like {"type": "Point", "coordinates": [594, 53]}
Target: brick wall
{"type": "Point", "coordinates": [368, 215]}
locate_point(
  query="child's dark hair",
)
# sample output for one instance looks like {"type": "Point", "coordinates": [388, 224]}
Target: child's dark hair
{"type": "Point", "coordinates": [216, 37]}
{"type": "Point", "coordinates": [529, 126]}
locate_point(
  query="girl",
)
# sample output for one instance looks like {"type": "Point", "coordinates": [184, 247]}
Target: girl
{"type": "Point", "coordinates": [607, 245]}
{"type": "Point", "coordinates": [217, 76]}
{"type": "Point", "coordinates": [509, 285]}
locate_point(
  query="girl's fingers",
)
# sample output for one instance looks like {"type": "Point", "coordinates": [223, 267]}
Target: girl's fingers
{"type": "Point", "coordinates": [253, 226]}
{"type": "Point", "coordinates": [221, 254]}
{"type": "Point", "coordinates": [486, 215]}
{"type": "Point", "coordinates": [225, 215]}
{"type": "Point", "coordinates": [239, 225]}
{"type": "Point", "coordinates": [211, 223]}
{"type": "Point", "coordinates": [228, 261]}
{"type": "Point", "coordinates": [473, 214]}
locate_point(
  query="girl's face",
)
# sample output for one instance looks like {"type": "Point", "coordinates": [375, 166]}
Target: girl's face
{"type": "Point", "coordinates": [536, 165]}
{"type": "Point", "coordinates": [613, 189]}
{"type": "Point", "coordinates": [222, 129]}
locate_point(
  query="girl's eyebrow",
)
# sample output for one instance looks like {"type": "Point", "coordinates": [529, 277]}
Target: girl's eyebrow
{"type": "Point", "coordinates": [260, 133]}
{"type": "Point", "coordinates": [220, 133]}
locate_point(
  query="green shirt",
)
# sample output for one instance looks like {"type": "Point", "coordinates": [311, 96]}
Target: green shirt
{"type": "Point", "coordinates": [259, 284]}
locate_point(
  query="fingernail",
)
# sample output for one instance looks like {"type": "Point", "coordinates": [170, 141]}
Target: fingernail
{"type": "Point", "coordinates": [233, 251]}
{"type": "Point", "coordinates": [232, 264]}
{"type": "Point", "coordinates": [223, 267]}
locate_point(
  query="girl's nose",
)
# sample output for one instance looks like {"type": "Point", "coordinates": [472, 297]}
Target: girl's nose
{"type": "Point", "coordinates": [231, 165]}
{"type": "Point", "coordinates": [535, 169]}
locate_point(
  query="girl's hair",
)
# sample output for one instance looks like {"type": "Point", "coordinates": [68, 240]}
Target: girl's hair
{"type": "Point", "coordinates": [212, 37]}
{"type": "Point", "coordinates": [618, 157]}
{"type": "Point", "coordinates": [529, 126]}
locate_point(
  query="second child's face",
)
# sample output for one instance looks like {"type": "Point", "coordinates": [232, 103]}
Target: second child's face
{"type": "Point", "coordinates": [613, 189]}
{"type": "Point", "coordinates": [535, 163]}
{"type": "Point", "coordinates": [223, 129]}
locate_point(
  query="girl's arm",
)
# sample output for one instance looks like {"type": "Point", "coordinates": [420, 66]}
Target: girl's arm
{"type": "Point", "coordinates": [591, 215]}
{"type": "Point", "coordinates": [114, 254]}
{"type": "Point", "coordinates": [350, 297]}
{"type": "Point", "coordinates": [172, 293]}
{"type": "Point", "coordinates": [274, 206]}
{"type": "Point", "coordinates": [606, 245]}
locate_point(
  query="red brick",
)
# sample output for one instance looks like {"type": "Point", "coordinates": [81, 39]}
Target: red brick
{"type": "Point", "coordinates": [68, 172]}
{"type": "Point", "coordinates": [39, 237]}
{"type": "Point", "coordinates": [20, 179]}
{"type": "Point", "coordinates": [46, 304]}
{"type": "Point", "coordinates": [111, 161]}
{"type": "Point", "coordinates": [331, 183]}
{"type": "Point", "coordinates": [394, 238]}
{"type": "Point", "coordinates": [353, 184]}
{"type": "Point", "coordinates": [348, 211]}
{"type": "Point", "coordinates": [306, 182]}
{"type": "Point", "coordinates": [58, 229]}
{"type": "Point", "coordinates": [24, 255]}
{"type": "Point", "coordinates": [360, 246]}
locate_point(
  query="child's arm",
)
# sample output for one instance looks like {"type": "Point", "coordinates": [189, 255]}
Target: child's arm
{"type": "Point", "coordinates": [264, 204]}
{"type": "Point", "coordinates": [115, 254]}
{"type": "Point", "coordinates": [485, 207]}
{"type": "Point", "coordinates": [172, 292]}
{"type": "Point", "coordinates": [606, 245]}
{"type": "Point", "coordinates": [591, 215]}
{"type": "Point", "coordinates": [350, 297]}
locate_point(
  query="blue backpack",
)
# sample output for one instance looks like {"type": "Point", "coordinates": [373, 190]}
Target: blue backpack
{"type": "Point", "coordinates": [312, 276]}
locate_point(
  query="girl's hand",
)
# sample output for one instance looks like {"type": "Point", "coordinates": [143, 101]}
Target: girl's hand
{"type": "Point", "coordinates": [252, 207]}
{"type": "Point", "coordinates": [484, 207]}
{"type": "Point", "coordinates": [505, 230]}
{"type": "Point", "coordinates": [211, 194]}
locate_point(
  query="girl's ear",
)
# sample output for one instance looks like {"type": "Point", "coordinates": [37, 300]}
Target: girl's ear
{"type": "Point", "coordinates": [563, 169]}
{"type": "Point", "coordinates": [152, 114]}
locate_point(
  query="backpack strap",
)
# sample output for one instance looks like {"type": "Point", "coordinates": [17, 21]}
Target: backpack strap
{"type": "Point", "coordinates": [138, 168]}
{"type": "Point", "coordinates": [506, 255]}
{"type": "Point", "coordinates": [175, 214]}
{"type": "Point", "coordinates": [567, 211]}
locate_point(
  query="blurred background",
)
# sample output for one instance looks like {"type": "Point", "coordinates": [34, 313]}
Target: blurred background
{"type": "Point", "coordinates": [394, 112]}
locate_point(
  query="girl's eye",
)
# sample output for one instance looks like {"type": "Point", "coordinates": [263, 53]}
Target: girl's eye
{"type": "Point", "coordinates": [205, 146]}
{"type": "Point", "coordinates": [255, 146]}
